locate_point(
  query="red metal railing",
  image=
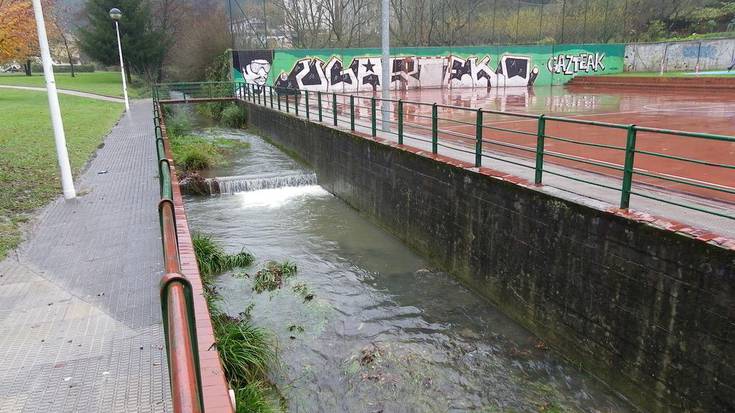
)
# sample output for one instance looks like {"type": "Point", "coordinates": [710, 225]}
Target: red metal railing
{"type": "Point", "coordinates": [177, 302]}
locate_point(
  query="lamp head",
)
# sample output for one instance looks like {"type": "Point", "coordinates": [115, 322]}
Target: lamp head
{"type": "Point", "coordinates": [115, 14]}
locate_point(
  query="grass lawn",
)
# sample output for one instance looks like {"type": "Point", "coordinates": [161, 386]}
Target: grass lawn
{"type": "Point", "coordinates": [29, 173]}
{"type": "Point", "coordinates": [101, 83]}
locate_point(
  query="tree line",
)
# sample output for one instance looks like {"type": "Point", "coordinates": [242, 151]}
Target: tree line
{"type": "Point", "coordinates": [356, 23]}
{"type": "Point", "coordinates": [185, 39]}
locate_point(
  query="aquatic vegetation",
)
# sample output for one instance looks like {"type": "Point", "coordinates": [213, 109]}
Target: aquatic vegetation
{"type": "Point", "coordinates": [273, 275]}
{"type": "Point", "coordinates": [212, 258]}
{"type": "Point", "coordinates": [253, 398]}
{"type": "Point", "coordinates": [303, 290]}
{"type": "Point", "coordinates": [246, 351]}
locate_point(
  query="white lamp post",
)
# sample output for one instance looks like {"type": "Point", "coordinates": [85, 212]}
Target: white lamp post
{"type": "Point", "coordinates": [386, 67]}
{"type": "Point", "coordinates": [115, 15]}
{"type": "Point", "coordinates": [67, 183]}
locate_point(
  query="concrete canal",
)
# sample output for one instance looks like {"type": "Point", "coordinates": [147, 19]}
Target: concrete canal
{"type": "Point", "coordinates": [379, 329]}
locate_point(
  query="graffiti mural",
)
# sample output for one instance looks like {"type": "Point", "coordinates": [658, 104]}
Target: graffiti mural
{"type": "Point", "coordinates": [571, 64]}
{"type": "Point", "coordinates": [254, 66]}
{"type": "Point", "coordinates": [477, 67]}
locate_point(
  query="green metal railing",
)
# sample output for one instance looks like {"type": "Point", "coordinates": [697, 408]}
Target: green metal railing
{"type": "Point", "coordinates": [177, 301]}
{"type": "Point", "coordinates": [483, 134]}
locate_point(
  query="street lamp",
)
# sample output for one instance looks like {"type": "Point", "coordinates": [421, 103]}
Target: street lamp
{"type": "Point", "coordinates": [115, 15]}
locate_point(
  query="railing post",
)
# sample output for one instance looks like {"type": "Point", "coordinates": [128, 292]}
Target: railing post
{"type": "Point", "coordinates": [278, 98]}
{"type": "Point", "coordinates": [319, 104]}
{"type": "Point", "coordinates": [434, 129]}
{"type": "Point", "coordinates": [288, 110]}
{"type": "Point", "coordinates": [628, 168]}
{"type": "Point", "coordinates": [373, 118]}
{"type": "Point", "coordinates": [296, 102]}
{"type": "Point", "coordinates": [400, 122]}
{"type": "Point", "coordinates": [540, 135]}
{"type": "Point", "coordinates": [270, 94]}
{"type": "Point", "coordinates": [334, 107]}
{"type": "Point", "coordinates": [478, 139]}
{"type": "Point", "coordinates": [352, 113]}
{"type": "Point", "coordinates": [306, 96]}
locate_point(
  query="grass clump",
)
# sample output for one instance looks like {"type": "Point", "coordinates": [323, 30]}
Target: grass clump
{"type": "Point", "coordinates": [226, 114]}
{"type": "Point", "coordinates": [213, 259]}
{"type": "Point", "coordinates": [253, 398]}
{"type": "Point", "coordinates": [194, 153]}
{"type": "Point", "coordinates": [273, 275]}
{"type": "Point", "coordinates": [178, 125]}
{"type": "Point", "coordinates": [244, 349]}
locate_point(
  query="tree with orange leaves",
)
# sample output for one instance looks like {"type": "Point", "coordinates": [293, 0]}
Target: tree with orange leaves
{"type": "Point", "coordinates": [18, 35]}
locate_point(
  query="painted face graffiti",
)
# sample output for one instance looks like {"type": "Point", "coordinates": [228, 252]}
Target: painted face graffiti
{"type": "Point", "coordinates": [257, 72]}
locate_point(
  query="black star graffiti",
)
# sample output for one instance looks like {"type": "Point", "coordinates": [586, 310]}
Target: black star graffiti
{"type": "Point", "coordinates": [369, 66]}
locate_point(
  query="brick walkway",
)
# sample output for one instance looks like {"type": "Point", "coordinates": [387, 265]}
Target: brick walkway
{"type": "Point", "coordinates": [79, 308]}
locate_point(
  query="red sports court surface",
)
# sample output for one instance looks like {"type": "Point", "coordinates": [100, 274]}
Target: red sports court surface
{"type": "Point", "coordinates": [710, 111]}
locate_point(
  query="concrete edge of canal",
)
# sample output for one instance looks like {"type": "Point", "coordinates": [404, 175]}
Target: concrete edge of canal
{"type": "Point", "coordinates": [643, 304]}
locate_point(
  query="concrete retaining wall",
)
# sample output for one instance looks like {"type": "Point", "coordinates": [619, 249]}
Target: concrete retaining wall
{"type": "Point", "coordinates": [680, 56]}
{"type": "Point", "coordinates": [649, 311]}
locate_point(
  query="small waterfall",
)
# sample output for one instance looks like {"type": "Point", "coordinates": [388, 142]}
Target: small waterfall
{"type": "Point", "coordinates": [234, 184]}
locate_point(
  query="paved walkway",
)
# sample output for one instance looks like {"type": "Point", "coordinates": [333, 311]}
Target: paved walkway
{"type": "Point", "coordinates": [68, 92]}
{"type": "Point", "coordinates": [79, 308]}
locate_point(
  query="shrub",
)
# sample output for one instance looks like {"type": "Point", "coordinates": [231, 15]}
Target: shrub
{"type": "Point", "coordinates": [212, 110]}
{"type": "Point", "coordinates": [233, 116]}
{"type": "Point", "coordinates": [37, 68]}
{"type": "Point", "coordinates": [178, 125]}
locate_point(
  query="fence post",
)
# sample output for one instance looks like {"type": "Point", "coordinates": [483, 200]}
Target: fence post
{"type": "Point", "coordinates": [288, 110]}
{"type": "Point", "coordinates": [628, 168]}
{"type": "Point", "coordinates": [319, 104]}
{"type": "Point", "coordinates": [334, 107]}
{"type": "Point", "coordinates": [270, 94]}
{"type": "Point", "coordinates": [306, 96]}
{"type": "Point", "coordinates": [400, 122]}
{"type": "Point", "coordinates": [296, 102]}
{"type": "Point", "coordinates": [278, 99]}
{"type": "Point", "coordinates": [352, 113]}
{"type": "Point", "coordinates": [434, 129]}
{"type": "Point", "coordinates": [373, 121]}
{"type": "Point", "coordinates": [478, 139]}
{"type": "Point", "coordinates": [540, 135]}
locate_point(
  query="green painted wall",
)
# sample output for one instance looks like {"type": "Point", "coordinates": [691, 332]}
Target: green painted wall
{"type": "Point", "coordinates": [553, 64]}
